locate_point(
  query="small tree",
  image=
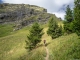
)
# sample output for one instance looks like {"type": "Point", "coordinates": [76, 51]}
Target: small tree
{"type": "Point", "coordinates": [34, 37]}
{"type": "Point", "coordinates": [68, 20]}
{"type": "Point", "coordinates": [68, 16]}
{"type": "Point", "coordinates": [54, 31]}
{"type": "Point", "coordinates": [76, 23]}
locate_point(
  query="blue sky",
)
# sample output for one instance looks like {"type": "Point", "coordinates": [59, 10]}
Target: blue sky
{"type": "Point", "coordinates": [56, 7]}
{"type": "Point", "coordinates": [0, 1]}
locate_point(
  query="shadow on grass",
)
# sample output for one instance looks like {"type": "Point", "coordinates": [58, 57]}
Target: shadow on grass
{"type": "Point", "coordinates": [47, 44]}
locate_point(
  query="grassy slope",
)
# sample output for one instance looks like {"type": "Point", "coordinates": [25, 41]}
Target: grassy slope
{"type": "Point", "coordinates": [5, 30]}
{"type": "Point", "coordinates": [12, 47]}
{"type": "Point", "coordinates": [65, 48]}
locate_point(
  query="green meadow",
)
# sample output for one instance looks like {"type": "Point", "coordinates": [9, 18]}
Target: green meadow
{"type": "Point", "coordinates": [12, 45]}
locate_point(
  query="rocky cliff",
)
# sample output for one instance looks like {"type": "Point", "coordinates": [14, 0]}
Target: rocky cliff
{"type": "Point", "coordinates": [23, 14]}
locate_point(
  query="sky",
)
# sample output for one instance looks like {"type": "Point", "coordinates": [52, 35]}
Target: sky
{"type": "Point", "coordinates": [56, 7]}
{"type": "Point", "coordinates": [0, 1]}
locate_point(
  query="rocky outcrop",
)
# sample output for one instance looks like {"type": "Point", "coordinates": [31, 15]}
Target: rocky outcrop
{"type": "Point", "coordinates": [23, 14]}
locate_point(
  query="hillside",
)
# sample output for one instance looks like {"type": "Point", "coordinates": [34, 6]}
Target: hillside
{"type": "Point", "coordinates": [15, 16]}
{"type": "Point", "coordinates": [12, 47]}
{"type": "Point", "coordinates": [16, 21]}
{"type": "Point", "coordinates": [23, 14]}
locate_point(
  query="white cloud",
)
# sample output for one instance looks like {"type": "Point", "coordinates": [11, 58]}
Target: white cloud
{"type": "Point", "coordinates": [61, 2]}
{"type": "Point", "coordinates": [59, 14]}
{"type": "Point", "coordinates": [50, 5]}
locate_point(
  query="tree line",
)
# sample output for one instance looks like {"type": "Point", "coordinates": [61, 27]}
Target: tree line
{"type": "Point", "coordinates": [72, 19]}
{"type": "Point", "coordinates": [71, 25]}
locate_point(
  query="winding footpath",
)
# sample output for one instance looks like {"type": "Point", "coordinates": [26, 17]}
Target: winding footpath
{"type": "Point", "coordinates": [47, 53]}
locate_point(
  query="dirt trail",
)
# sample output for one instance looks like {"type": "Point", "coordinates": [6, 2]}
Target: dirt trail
{"type": "Point", "coordinates": [47, 53]}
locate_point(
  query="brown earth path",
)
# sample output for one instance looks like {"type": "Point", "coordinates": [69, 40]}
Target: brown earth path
{"type": "Point", "coordinates": [47, 53]}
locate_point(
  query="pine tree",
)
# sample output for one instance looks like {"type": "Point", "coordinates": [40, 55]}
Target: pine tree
{"type": "Point", "coordinates": [68, 20]}
{"type": "Point", "coordinates": [54, 31]}
{"type": "Point", "coordinates": [34, 37]}
{"type": "Point", "coordinates": [76, 22]}
{"type": "Point", "coordinates": [68, 16]}
{"type": "Point", "coordinates": [60, 31]}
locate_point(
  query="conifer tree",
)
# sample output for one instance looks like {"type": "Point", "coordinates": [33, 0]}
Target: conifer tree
{"type": "Point", "coordinates": [54, 31]}
{"type": "Point", "coordinates": [76, 22]}
{"type": "Point", "coordinates": [34, 37]}
{"type": "Point", "coordinates": [68, 20]}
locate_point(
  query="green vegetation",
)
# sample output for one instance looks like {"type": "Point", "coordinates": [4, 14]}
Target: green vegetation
{"type": "Point", "coordinates": [34, 36]}
{"type": "Point", "coordinates": [68, 16]}
{"type": "Point", "coordinates": [66, 47]}
{"type": "Point", "coordinates": [6, 29]}
{"type": "Point", "coordinates": [12, 47]}
{"type": "Point", "coordinates": [54, 30]}
{"type": "Point", "coordinates": [36, 54]}
{"type": "Point", "coordinates": [72, 20]}
{"type": "Point", "coordinates": [76, 23]}
{"type": "Point", "coordinates": [68, 20]}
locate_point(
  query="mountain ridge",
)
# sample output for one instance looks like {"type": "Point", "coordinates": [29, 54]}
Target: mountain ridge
{"type": "Point", "coordinates": [23, 14]}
